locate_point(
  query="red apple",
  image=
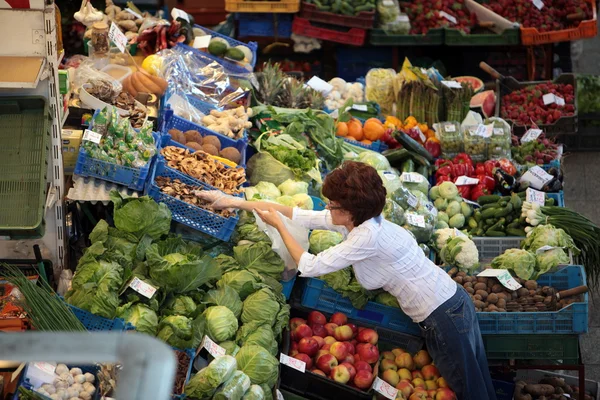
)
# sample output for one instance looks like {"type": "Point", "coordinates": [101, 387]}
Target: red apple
{"type": "Point", "coordinates": [363, 379]}
{"type": "Point", "coordinates": [349, 359]}
{"type": "Point", "coordinates": [367, 336]}
{"type": "Point", "coordinates": [431, 393]}
{"type": "Point", "coordinates": [356, 357]}
{"type": "Point", "coordinates": [441, 382]}
{"type": "Point", "coordinates": [388, 355]}
{"type": "Point", "coordinates": [351, 369]}
{"type": "Point", "coordinates": [405, 387]}
{"type": "Point", "coordinates": [404, 360]}
{"type": "Point", "coordinates": [418, 396]}
{"type": "Point", "coordinates": [445, 394]}
{"type": "Point", "coordinates": [418, 383]}
{"type": "Point", "coordinates": [339, 319]}
{"type": "Point", "coordinates": [329, 340]}
{"type": "Point", "coordinates": [391, 377]}
{"type": "Point", "coordinates": [315, 317]}
{"type": "Point", "coordinates": [368, 353]}
{"type": "Point", "coordinates": [293, 353]}
{"type": "Point", "coordinates": [309, 346]}
{"type": "Point", "coordinates": [350, 346]}
{"type": "Point", "coordinates": [386, 364]}
{"type": "Point", "coordinates": [339, 350]}
{"type": "Point", "coordinates": [422, 359]}
{"type": "Point", "coordinates": [294, 346]}
{"type": "Point", "coordinates": [294, 322]}
{"type": "Point", "coordinates": [342, 333]}
{"type": "Point", "coordinates": [417, 374]}
{"type": "Point", "coordinates": [330, 328]}
{"type": "Point", "coordinates": [354, 329]}
{"type": "Point", "coordinates": [430, 372]}
{"type": "Point", "coordinates": [340, 374]}
{"type": "Point", "coordinates": [320, 353]}
{"type": "Point", "coordinates": [431, 385]}
{"type": "Point", "coordinates": [327, 346]}
{"type": "Point", "coordinates": [362, 366]}
{"type": "Point", "coordinates": [326, 362]}
{"type": "Point", "coordinates": [397, 352]}
{"type": "Point", "coordinates": [319, 330]}
{"type": "Point", "coordinates": [319, 340]}
{"type": "Point", "coordinates": [318, 372]}
{"type": "Point", "coordinates": [405, 373]}
{"type": "Point", "coordinates": [306, 358]}
{"type": "Point", "coordinates": [354, 342]}
{"type": "Point", "coordinates": [302, 331]}
{"type": "Point", "coordinates": [360, 328]}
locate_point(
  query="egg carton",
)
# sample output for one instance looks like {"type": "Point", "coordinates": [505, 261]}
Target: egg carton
{"type": "Point", "coordinates": [96, 190]}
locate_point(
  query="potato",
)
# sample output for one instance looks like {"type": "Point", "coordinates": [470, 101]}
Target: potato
{"type": "Point", "coordinates": [480, 286]}
{"type": "Point", "coordinates": [482, 279]}
{"type": "Point", "coordinates": [482, 293]}
{"type": "Point", "coordinates": [539, 390]}
{"type": "Point", "coordinates": [467, 285]}
{"type": "Point", "coordinates": [522, 292]}
{"type": "Point", "coordinates": [501, 303]}
{"type": "Point", "coordinates": [492, 298]}
{"type": "Point", "coordinates": [477, 297]}
{"type": "Point", "coordinates": [458, 279]}
{"type": "Point", "coordinates": [497, 288]}
{"type": "Point", "coordinates": [470, 290]}
{"type": "Point", "coordinates": [531, 285]}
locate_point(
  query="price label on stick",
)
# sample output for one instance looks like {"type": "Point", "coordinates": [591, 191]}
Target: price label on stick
{"type": "Point", "coordinates": [415, 219]}
{"type": "Point", "coordinates": [292, 362]}
{"type": "Point", "coordinates": [213, 349]}
{"type": "Point", "coordinates": [452, 84]}
{"type": "Point", "coordinates": [503, 276]}
{"type": "Point", "coordinates": [449, 17]}
{"type": "Point", "coordinates": [319, 85]}
{"type": "Point", "coordinates": [117, 37]}
{"type": "Point", "coordinates": [536, 177]}
{"type": "Point", "coordinates": [535, 196]}
{"type": "Point", "coordinates": [421, 135]}
{"type": "Point", "coordinates": [384, 388]}
{"type": "Point", "coordinates": [92, 136]}
{"type": "Point", "coordinates": [465, 180]}
{"type": "Point", "coordinates": [142, 287]}
{"type": "Point", "coordinates": [531, 135]}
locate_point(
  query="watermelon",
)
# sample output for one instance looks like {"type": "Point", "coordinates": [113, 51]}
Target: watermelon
{"type": "Point", "coordinates": [476, 83]}
{"type": "Point", "coordinates": [484, 103]}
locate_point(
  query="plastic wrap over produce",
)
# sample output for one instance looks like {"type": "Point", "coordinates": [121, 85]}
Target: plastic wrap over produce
{"type": "Point", "coordinates": [193, 74]}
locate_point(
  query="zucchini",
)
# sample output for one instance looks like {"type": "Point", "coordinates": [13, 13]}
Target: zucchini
{"type": "Point", "coordinates": [408, 165]}
{"type": "Point", "coordinates": [515, 232]}
{"type": "Point", "coordinates": [505, 211]}
{"type": "Point", "coordinates": [412, 145]}
{"type": "Point", "coordinates": [494, 233]}
{"type": "Point", "coordinates": [488, 199]}
{"type": "Point", "coordinates": [490, 212]}
{"type": "Point", "coordinates": [516, 201]}
{"type": "Point", "coordinates": [396, 156]}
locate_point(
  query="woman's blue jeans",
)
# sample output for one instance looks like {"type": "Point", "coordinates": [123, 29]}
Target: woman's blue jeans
{"type": "Point", "coordinates": [454, 342]}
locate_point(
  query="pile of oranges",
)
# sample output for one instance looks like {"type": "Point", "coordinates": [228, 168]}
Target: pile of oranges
{"type": "Point", "coordinates": [372, 130]}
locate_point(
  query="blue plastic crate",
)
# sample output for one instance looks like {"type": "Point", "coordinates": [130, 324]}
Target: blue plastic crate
{"type": "Point", "coordinates": [572, 319]}
{"type": "Point", "coordinates": [287, 287]}
{"type": "Point", "coordinates": [230, 66]}
{"type": "Point", "coordinates": [377, 145]}
{"type": "Point", "coordinates": [192, 355]}
{"type": "Point", "coordinates": [504, 390]}
{"type": "Point", "coordinates": [318, 204]}
{"type": "Point", "coordinates": [353, 62]}
{"type": "Point", "coordinates": [25, 382]}
{"type": "Point", "coordinates": [187, 214]}
{"type": "Point", "coordinates": [559, 198]}
{"type": "Point", "coordinates": [264, 25]}
{"type": "Point", "coordinates": [317, 295]}
{"type": "Point", "coordinates": [93, 322]}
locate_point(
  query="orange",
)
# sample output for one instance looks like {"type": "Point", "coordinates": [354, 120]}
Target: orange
{"type": "Point", "coordinates": [355, 129]}
{"type": "Point", "coordinates": [366, 141]}
{"type": "Point", "coordinates": [373, 129]}
{"type": "Point", "coordinates": [341, 129]}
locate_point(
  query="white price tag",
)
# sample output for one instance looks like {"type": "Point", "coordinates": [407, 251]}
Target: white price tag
{"type": "Point", "coordinates": [458, 233]}
{"type": "Point", "coordinates": [412, 200]}
{"type": "Point", "coordinates": [503, 276]}
{"type": "Point", "coordinates": [450, 128]}
{"type": "Point", "coordinates": [44, 366]}
{"type": "Point", "coordinates": [213, 349]}
{"type": "Point", "coordinates": [201, 42]}
{"type": "Point", "coordinates": [559, 100]}
{"type": "Point", "coordinates": [550, 98]}
{"type": "Point", "coordinates": [402, 18]}
{"type": "Point", "coordinates": [535, 196]}
{"type": "Point", "coordinates": [412, 177]}
{"type": "Point", "coordinates": [546, 248]}
{"type": "Point", "coordinates": [431, 208]}
{"type": "Point", "coordinates": [279, 395]}
{"type": "Point", "coordinates": [177, 13]}
{"type": "Point", "coordinates": [531, 135]}
{"type": "Point", "coordinates": [479, 130]}
{"type": "Point", "coordinates": [498, 131]}
{"type": "Point", "coordinates": [91, 136]}
{"type": "Point", "coordinates": [389, 175]}
{"type": "Point", "coordinates": [142, 287]}
{"type": "Point", "coordinates": [335, 114]}
{"type": "Point", "coordinates": [471, 202]}
{"type": "Point", "coordinates": [359, 107]}
{"type": "Point", "coordinates": [421, 135]}
{"type": "Point", "coordinates": [452, 84]}
{"type": "Point", "coordinates": [539, 4]}
{"type": "Point", "coordinates": [388, 3]}
{"type": "Point", "coordinates": [384, 388]}
{"type": "Point", "coordinates": [415, 219]}
{"type": "Point", "coordinates": [465, 180]}
{"type": "Point", "coordinates": [319, 85]}
{"type": "Point", "coordinates": [130, 11]}
{"type": "Point", "coordinates": [298, 365]}
{"type": "Point", "coordinates": [536, 177]}
{"type": "Point", "coordinates": [117, 37]}
{"type": "Point", "coordinates": [449, 17]}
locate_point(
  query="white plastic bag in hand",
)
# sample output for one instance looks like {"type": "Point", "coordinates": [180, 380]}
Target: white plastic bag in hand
{"type": "Point", "coordinates": [299, 233]}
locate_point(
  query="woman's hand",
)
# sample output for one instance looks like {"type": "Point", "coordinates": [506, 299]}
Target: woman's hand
{"type": "Point", "coordinates": [218, 200]}
{"type": "Point", "coordinates": [270, 217]}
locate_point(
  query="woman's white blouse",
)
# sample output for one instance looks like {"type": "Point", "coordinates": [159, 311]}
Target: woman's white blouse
{"type": "Point", "coordinates": [383, 255]}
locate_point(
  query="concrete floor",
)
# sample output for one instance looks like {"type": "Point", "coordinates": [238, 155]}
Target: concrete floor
{"type": "Point", "coordinates": [582, 191]}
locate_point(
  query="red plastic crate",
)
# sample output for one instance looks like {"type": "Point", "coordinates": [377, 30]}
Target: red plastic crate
{"type": "Point", "coordinates": [352, 36]}
{"type": "Point", "coordinates": [364, 19]}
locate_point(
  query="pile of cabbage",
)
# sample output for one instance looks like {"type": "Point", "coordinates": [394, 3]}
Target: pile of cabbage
{"type": "Point", "coordinates": [288, 193]}
{"type": "Point", "coordinates": [234, 298]}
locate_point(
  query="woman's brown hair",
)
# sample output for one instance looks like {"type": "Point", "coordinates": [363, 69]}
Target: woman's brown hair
{"type": "Point", "coordinates": [358, 189]}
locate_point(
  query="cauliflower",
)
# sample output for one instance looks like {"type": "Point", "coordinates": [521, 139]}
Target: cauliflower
{"type": "Point", "coordinates": [461, 252]}
{"type": "Point", "coordinates": [441, 237]}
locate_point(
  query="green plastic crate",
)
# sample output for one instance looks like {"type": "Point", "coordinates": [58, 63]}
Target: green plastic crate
{"type": "Point", "coordinates": [434, 37]}
{"type": "Point", "coordinates": [454, 37]}
{"type": "Point", "coordinates": [532, 347]}
{"type": "Point", "coordinates": [24, 133]}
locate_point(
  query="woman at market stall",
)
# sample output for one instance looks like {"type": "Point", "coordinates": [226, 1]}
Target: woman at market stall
{"type": "Point", "coordinates": [385, 255]}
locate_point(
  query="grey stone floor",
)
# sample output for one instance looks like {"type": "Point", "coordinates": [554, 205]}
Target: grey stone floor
{"type": "Point", "coordinates": [582, 191]}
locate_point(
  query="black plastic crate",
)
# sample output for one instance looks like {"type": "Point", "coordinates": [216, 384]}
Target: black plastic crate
{"type": "Point", "coordinates": [30, 268]}
{"type": "Point", "coordinates": [586, 139]}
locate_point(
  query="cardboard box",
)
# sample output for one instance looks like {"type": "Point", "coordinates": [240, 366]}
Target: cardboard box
{"type": "Point", "coordinates": [71, 140]}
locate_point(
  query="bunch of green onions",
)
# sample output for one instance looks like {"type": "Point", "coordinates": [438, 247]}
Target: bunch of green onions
{"type": "Point", "coordinates": [584, 233]}
{"type": "Point", "coordinates": [46, 311]}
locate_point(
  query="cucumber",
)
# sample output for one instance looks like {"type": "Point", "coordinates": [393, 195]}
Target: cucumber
{"type": "Point", "coordinates": [472, 223]}
{"type": "Point", "coordinates": [477, 215]}
{"type": "Point", "coordinates": [491, 198]}
{"type": "Point", "coordinates": [504, 211]}
{"type": "Point", "coordinates": [423, 170]}
{"type": "Point", "coordinates": [366, 7]}
{"type": "Point", "coordinates": [412, 145]}
{"type": "Point", "coordinates": [494, 233]}
{"type": "Point", "coordinates": [408, 166]}
{"type": "Point", "coordinates": [490, 212]}
{"type": "Point", "coordinates": [491, 205]}
{"type": "Point", "coordinates": [515, 232]}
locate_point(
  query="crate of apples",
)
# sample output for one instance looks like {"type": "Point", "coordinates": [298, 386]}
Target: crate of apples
{"type": "Point", "coordinates": [415, 377]}
{"type": "Point", "coordinates": [336, 349]}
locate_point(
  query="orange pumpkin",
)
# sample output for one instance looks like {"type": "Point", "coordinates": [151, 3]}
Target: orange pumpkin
{"type": "Point", "coordinates": [341, 129]}
{"type": "Point", "coordinates": [373, 129]}
{"type": "Point", "coordinates": [355, 129]}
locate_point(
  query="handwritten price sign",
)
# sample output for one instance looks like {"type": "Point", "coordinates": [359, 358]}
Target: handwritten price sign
{"type": "Point", "coordinates": [385, 388]}
{"type": "Point", "coordinates": [292, 362]}
{"type": "Point", "coordinates": [142, 287]}
{"type": "Point", "coordinates": [213, 349]}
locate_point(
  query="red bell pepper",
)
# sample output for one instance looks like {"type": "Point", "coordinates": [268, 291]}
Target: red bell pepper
{"type": "Point", "coordinates": [462, 158]}
{"type": "Point", "coordinates": [433, 147]}
{"type": "Point", "coordinates": [440, 162]}
{"type": "Point", "coordinates": [479, 169]}
{"type": "Point", "coordinates": [459, 169]}
{"type": "Point", "coordinates": [489, 167]}
{"type": "Point", "coordinates": [444, 170]}
{"type": "Point", "coordinates": [478, 191]}
{"type": "Point", "coordinates": [442, 178]}
{"type": "Point", "coordinates": [464, 191]}
{"type": "Point", "coordinates": [507, 166]}
{"type": "Point", "coordinates": [487, 181]}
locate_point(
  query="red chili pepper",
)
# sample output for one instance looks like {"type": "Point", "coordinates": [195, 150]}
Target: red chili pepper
{"type": "Point", "coordinates": [479, 169]}
{"type": "Point", "coordinates": [433, 147]}
{"type": "Point", "coordinates": [442, 178]}
{"type": "Point", "coordinates": [463, 158]}
{"type": "Point", "coordinates": [478, 191]}
{"type": "Point", "coordinates": [465, 191]}
{"type": "Point", "coordinates": [489, 167]}
{"type": "Point", "coordinates": [507, 166]}
{"type": "Point", "coordinates": [487, 181]}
